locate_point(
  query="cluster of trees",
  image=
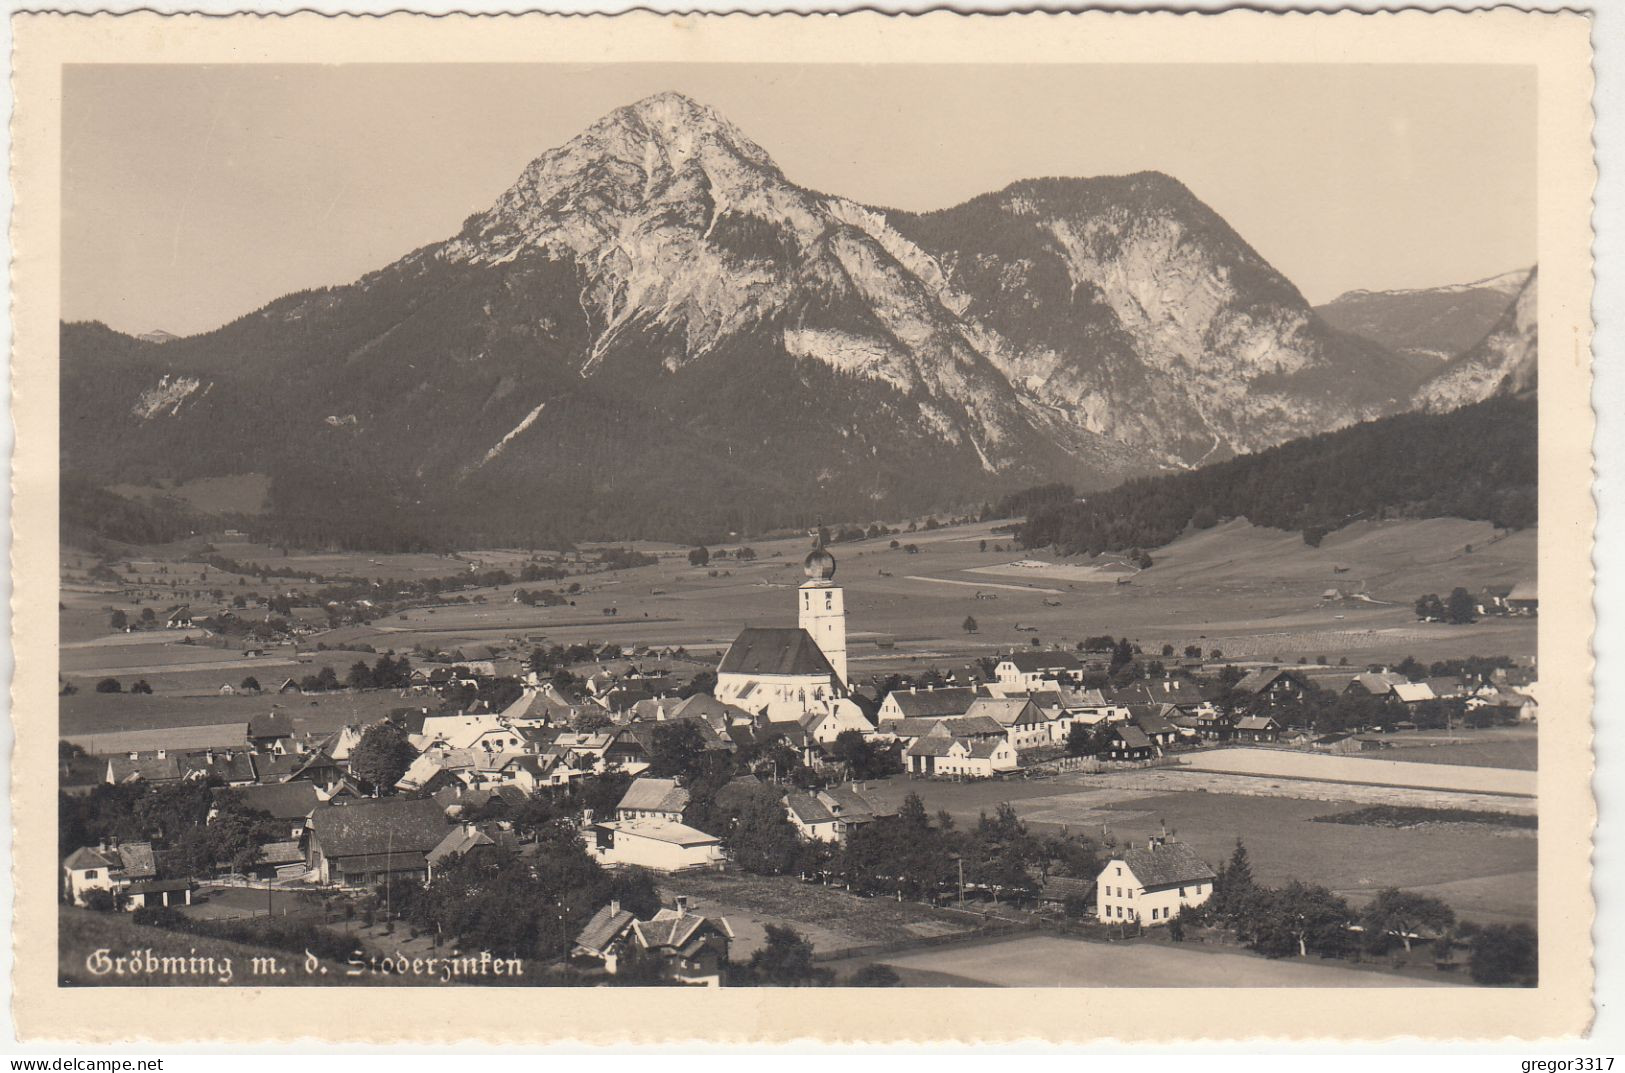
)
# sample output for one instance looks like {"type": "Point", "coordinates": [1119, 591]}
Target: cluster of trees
{"type": "Point", "coordinates": [1327, 712]}
{"type": "Point", "coordinates": [1457, 609]}
{"type": "Point", "coordinates": [91, 514]}
{"type": "Point", "coordinates": [1021, 503]}
{"type": "Point", "coordinates": [387, 673]}
{"type": "Point", "coordinates": [130, 812]}
{"type": "Point", "coordinates": [1085, 740]}
{"type": "Point", "coordinates": [172, 816]}
{"type": "Point", "coordinates": [913, 855]}
{"type": "Point", "coordinates": [624, 559]}
{"type": "Point", "coordinates": [1477, 462]}
{"type": "Point", "coordinates": [785, 959]}
{"type": "Point", "coordinates": [1300, 919]}
{"type": "Point", "coordinates": [113, 685]}
{"type": "Point", "coordinates": [531, 906]}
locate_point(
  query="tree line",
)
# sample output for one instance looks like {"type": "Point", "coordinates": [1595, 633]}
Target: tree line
{"type": "Point", "coordinates": [1478, 462]}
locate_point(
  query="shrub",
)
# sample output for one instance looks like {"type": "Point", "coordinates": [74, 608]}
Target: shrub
{"type": "Point", "coordinates": [100, 901]}
{"type": "Point", "coordinates": [875, 976]}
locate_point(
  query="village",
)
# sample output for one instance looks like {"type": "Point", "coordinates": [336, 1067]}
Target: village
{"type": "Point", "coordinates": [630, 814]}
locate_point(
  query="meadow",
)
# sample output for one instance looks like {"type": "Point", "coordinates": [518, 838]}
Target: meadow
{"type": "Point", "coordinates": [93, 713]}
{"type": "Point", "coordinates": [1054, 961]}
{"type": "Point", "coordinates": [1487, 874]}
{"type": "Point", "coordinates": [1252, 593]}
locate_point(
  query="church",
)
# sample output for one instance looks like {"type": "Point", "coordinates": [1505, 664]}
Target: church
{"type": "Point", "coordinates": [788, 673]}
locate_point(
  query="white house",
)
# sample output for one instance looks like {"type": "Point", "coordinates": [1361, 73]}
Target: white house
{"type": "Point", "coordinates": [659, 845]}
{"type": "Point", "coordinates": [942, 755]}
{"type": "Point", "coordinates": [652, 799]}
{"type": "Point", "coordinates": [1152, 885]}
{"type": "Point", "coordinates": [827, 815]}
{"type": "Point", "coordinates": [489, 733]}
{"type": "Point", "coordinates": [1025, 724]}
{"type": "Point", "coordinates": [1037, 669]}
{"type": "Point", "coordinates": [110, 868]}
{"type": "Point", "coordinates": [840, 716]}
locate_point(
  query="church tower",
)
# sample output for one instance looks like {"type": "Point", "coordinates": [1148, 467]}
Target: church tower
{"type": "Point", "coordinates": [823, 609]}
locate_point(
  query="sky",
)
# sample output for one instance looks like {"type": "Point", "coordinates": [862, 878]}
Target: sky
{"type": "Point", "coordinates": [193, 195]}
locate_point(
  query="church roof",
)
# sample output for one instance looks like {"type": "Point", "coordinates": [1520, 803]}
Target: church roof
{"type": "Point", "coordinates": [774, 650]}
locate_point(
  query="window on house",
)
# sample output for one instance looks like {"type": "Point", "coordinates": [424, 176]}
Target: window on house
{"type": "Point", "coordinates": [90, 873]}
{"type": "Point", "coordinates": [829, 601]}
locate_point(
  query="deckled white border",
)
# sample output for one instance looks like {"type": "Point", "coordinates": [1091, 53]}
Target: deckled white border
{"type": "Point", "coordinates": [955, 1026]}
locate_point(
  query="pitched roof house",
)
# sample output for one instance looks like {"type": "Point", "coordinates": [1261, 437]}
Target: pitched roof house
{"type": "Point", "coordinates": [693, 949]}
{"type": "Point", "coordinates": [1273, 683]}
{"type": "Point", "coordinates": [112, 868]}
{"type": "Point", "coordinates": [828, 815]}
{"type": "Point", "coordinates": [651, 798]}
{"type": "Point", "coordinates": [927, 703]}
{"type": "Point", "coordinates": [1152, 885]}
{"type": "Point", "coordinates": [1180, 692]}
{"type": "Point", "coordinates": [359, 843]}
{"type": "Point", "coordinates": [1026, 726]}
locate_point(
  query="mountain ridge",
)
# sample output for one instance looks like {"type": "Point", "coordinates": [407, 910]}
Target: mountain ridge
{"type": "Point", "coordinates": [653, 330]}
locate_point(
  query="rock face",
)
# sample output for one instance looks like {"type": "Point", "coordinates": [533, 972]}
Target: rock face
{"type": "Point", "coordinates": [1433, 324]}
{"type": "Point", "coordinates": [654, 329]}
{"type": "Point", "coordinates": [1504, 362]}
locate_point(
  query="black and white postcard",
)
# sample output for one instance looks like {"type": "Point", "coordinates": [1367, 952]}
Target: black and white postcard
{"type": "Point", "coordinates": [1073, 519]}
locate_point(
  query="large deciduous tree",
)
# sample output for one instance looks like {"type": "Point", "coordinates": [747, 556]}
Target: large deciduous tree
{"type": "Point", "coordinates": [1404, 915]}
{"type": "Point", "coordinates": [382, 756]}
{"type": "Point", "coordinates": [1299, 918]}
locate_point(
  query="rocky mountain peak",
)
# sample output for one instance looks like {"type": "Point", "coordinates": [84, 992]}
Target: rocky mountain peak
{"type": "Point", "coordinates": [665, 152]}
{"type": "Point", "coordinates": [657, 290]}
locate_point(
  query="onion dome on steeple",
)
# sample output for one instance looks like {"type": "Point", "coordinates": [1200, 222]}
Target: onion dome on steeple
{"type": "Point", "coordinates": [819, 565]}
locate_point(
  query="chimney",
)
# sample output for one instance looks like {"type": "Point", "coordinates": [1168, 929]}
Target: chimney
{"type": "Point", "coordinates": [614, 906]}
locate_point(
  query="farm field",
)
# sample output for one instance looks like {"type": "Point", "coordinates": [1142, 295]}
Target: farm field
{"type": "Point", "coordinates": [1054, 961]}
{"type": "Point", "coordinates": [171, 667]}
{"type": "Point", "coordinates": [831, 919]}
{"type": "Point", "coordinates": [1183, 780]}
{"type": "Point", "coordinates": [1493, 869]}
{"type": "Point", "coordinates": [1280, 763]}
{"type": "Point", "coordinates": [89, 713]}
{"type": "Point", "coordinates": [1516, 748]}
{"type": "Point", "coordinates": [1253, 593]}
{"type": "Point", "coordinates": [372, 565]}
